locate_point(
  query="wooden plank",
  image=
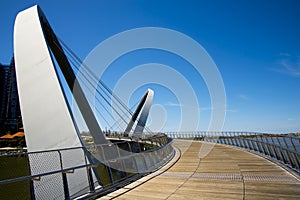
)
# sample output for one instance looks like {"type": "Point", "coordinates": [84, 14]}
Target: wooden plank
{"type": "Point", "coordinates": [225, 173]}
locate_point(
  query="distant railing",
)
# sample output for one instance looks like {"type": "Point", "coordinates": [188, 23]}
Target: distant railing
{"type": "Point", "coordinates": [278, 147]}
{"type": "Point", "coordinates": [109, 166]}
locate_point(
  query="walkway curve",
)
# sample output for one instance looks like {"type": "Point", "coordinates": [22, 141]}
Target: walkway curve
{"type": "Point", "coordinates": [225, 173]}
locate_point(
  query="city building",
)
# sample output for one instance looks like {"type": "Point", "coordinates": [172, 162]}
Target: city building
{"type": "Point", "coordinates": [10, 114]}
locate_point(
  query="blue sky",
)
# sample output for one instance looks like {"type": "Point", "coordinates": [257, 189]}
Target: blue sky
{"type": "Point", "coordinates": [255, 45]}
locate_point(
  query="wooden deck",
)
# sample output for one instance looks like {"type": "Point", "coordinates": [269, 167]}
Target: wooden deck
{"type": "Point", "coordinates": [207, 171]}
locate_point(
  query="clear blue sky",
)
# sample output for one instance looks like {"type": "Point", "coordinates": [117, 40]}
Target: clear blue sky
{"type": "Point", "coordinates": [254, 43]}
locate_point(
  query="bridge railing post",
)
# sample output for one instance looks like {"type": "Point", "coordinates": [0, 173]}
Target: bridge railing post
{"type": "Point", "coordinates": [238, 139]}
{"type": "Point", "coordinates": [272, 150]}
{"type": "Point", "coordinates": [89, 171]}
{"type": "Point", "coordinates": [283, 156]}
{"type": "Point", "coordinates": [252, 143]}
{"type": "Point", "coordinates": [297, 159]}
{"type": "Point", "coordinates": [259, 145]}
{"type": "Point", "coordinates": [275, 149]}
{"type": "Point", "coordinates": [268, 148]}
{"type": "Point", "coordinates": [249, 141]}
{"type": "Point", "coordinates": [242, 139]}
{"type": "Point", "coordinates": [295, 149]}
{"type": "Point", "coordinates": [226, 138]}
{"type": "Point", "coordinates": [64, 177]}
{"type": "Point", "coordinates": [289, 157]}
{"type": "Point", "coordinates": [222, 139]}
{"type": "Point", "coordinates": [107, 165]}
{"type": "Point", "coordinates": [230, 139]}
{"type": "Point", "coordinates": [263, 145]}
{"type": "Point", "coordinates": [246, 145]}
{"type": "Point", "coordinates": [292, 159]}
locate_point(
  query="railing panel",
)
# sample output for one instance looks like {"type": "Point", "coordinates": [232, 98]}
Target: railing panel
{"type": "Point", "coordinates": [104, 165]}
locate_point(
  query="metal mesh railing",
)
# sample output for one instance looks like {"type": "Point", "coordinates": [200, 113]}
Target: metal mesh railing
{"type": "Point", "coordinates": [99, 168]}
{"type": "Point", "coordinates": [274, 150]}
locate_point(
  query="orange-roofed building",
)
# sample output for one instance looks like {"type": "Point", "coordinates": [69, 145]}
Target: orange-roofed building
{"type": "Point", "coordinates": [9, 136]}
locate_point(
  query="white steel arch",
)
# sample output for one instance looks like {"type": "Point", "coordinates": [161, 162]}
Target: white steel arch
{"type": "Point", "coordinates": [47, 118]}
{"type": "Point", "coordinates": [48, 121]}
{"type": "Point", "coordinates": [144, 104]}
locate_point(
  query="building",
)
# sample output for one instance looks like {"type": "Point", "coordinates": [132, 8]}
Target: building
{"type": "Point", "coordinates": [10, 114]}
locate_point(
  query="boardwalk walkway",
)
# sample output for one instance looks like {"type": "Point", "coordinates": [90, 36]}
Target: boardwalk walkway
{"type": "Point", "coordinates": [224, 173]}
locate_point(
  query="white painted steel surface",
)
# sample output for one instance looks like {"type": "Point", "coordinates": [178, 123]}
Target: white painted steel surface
{"type": "Point", "coordinates": [47, 120]}
{"type": "Point", "coordinates": [145, 112]}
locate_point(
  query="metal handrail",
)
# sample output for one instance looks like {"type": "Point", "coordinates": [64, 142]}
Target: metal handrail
{"type": "Point", "coordinates": [38, 176]}
{"type": "Point", "coordinates": [163, 150]}
{"type": "Point", "coordinates": [270, 150]}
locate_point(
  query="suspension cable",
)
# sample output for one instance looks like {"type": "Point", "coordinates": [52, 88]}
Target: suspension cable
{"type": "Point", "coordinates": [76, 61]}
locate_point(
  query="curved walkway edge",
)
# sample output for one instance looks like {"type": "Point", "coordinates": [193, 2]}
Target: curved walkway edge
{"type": "Point", "coordinates": [144, 179]}
{"type": "Point", "coordinates": [202, 170]}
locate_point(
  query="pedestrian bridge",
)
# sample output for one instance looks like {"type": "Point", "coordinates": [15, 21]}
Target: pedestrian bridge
{"type": "Point", "coordinates": [60, 164]}
{"type": "Point", "coordinates": [226, 172]}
